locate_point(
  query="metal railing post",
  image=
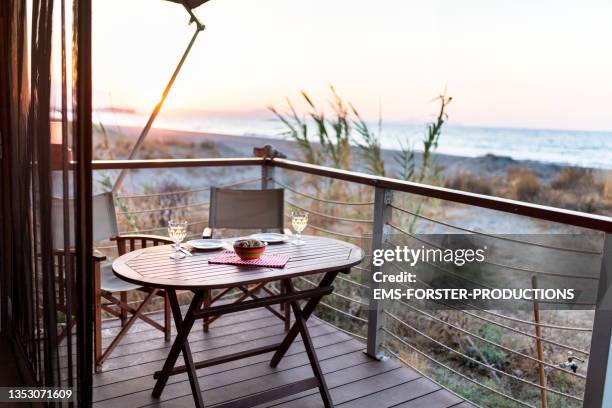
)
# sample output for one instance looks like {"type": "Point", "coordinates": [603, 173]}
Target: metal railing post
{"type": "Point", "coordinates": [380, 231]}
{"type": "Point", "coordinates": [598, 389]}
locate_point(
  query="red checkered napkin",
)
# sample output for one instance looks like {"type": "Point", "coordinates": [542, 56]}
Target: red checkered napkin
{"type": "Point", "coordinates": [267, 260]}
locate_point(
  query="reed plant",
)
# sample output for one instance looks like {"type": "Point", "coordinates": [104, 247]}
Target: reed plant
{"type": "Point", "coordinates": [406, 156]}
{"type": "Point", "coordinates": [345, 127]}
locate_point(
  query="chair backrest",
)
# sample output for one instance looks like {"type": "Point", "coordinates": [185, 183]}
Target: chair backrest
{"type": "Point", "coordinates": [247, 209]}
{"type": "Point", "coordinates": [104, 219]}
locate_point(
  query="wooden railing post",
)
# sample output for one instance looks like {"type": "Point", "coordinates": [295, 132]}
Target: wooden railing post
{"type": "Point", "coordinates": [267, 175]}
{"type": "Point", "coordinates": [598, 389]}
{"type": "Point", "coordinates": [267, 168]}
{"type": "Point", "coordinates": [380, 231]}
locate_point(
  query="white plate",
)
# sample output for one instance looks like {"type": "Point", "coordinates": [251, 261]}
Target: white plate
{"type": "Point", "coordinates": [206, 244]}
{"type": "Point", "coordinates": [271, 237]}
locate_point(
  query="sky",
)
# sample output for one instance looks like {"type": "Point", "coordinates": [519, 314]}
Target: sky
{"type": "Point", "coordinates": [524, 64]}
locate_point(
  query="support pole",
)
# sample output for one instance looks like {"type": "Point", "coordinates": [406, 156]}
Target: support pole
{"type": "Point", "coordinates": [598, 388]}
{"type": "Point", "coordinates": [538, 332]}
{"type": "Point", "coordinates": [382, 214]}
{"type": "Point", "coordinates": [147, 127]}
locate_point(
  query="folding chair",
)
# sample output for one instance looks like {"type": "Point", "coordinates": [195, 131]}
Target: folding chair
{"type": "Point", "coordinates": [106, 284]}
{"type": "Point", "coordinates": [246, 210]}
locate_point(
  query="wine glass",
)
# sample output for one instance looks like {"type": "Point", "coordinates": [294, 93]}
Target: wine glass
{"type": "Point", "coordinates": [299, 220]}
{"type": "Point", "coordinates": [177, 230]}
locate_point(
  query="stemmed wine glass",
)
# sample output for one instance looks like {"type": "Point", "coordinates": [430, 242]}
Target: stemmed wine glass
{"type": "Point", "coordinates": [177, 230]}
{"type": "Point", "coordinates": [299, 220]}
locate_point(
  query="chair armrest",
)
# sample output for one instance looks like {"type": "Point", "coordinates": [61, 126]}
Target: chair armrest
{"type": "Point", "coordinates": [98, 256]}
{"type": "Point", "coordinates": [207, 233]}
{"type": "Point", "coordinates": [126, 237]}
{"type": "Point", "coordinates": [61, 252]}
{"type": "Point", "coordinates": [123, 240]}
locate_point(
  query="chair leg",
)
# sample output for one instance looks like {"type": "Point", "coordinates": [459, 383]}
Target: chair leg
{"type": "Point", "coordinates": [97, 332]}
{"type": "Point", "coordinates": [124, 315]}
{"type": "Point", "coordinates": [127, 326]}
{"type": "Point", "coordinates": [206, 303]}
{"type": "Point", "coordinates": [167, 317]}
{"type": "Point", "coordinates": [285, 308]}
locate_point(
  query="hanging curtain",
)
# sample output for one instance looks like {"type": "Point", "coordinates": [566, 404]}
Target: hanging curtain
{"type": "Point", "coordinates": [46, 300]}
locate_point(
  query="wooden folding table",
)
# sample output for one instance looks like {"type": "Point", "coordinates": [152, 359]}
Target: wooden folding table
{"type": "Point", "coordinates": [152, 267]}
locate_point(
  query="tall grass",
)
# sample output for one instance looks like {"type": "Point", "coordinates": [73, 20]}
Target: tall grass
{"type": "Point", "coordinates": [333, 133]}
{"type": "Point", "coordinates": [406, 157]}
{"type": "Point", "coordinates": [344, 127]}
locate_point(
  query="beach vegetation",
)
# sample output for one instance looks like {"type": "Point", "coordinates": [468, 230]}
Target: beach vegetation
{"type": "Point", "coordinates": [369, 143]}
{"type": "Point", "coordinates": [406, 155]}
{"type": "Point", "coordinates": [332, 139]}
{"type": "Point", "coordinates": [332, 133]}
{"type": "Point", "coordinates": [525, 184]}
{"type": "Point", "coordinates": [467, 181]}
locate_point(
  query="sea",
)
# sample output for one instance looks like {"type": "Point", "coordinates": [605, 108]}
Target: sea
{"type": "Point", "coordinates": [566, 147]}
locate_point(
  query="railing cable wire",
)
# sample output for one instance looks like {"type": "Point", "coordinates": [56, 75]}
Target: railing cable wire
{"type": "Point", "coordinates": [319, 198]}
{"type": "Point", "coordinates": [473, 360]}
{"type": "Point", "coordinates": [476, 336]}
{"type": "Point", "coordinates": [584, 251]}
{"type": "Point", "coordinates": [516, 268]}
{"type": "Point", "coordinates": [350, 299]}
{"type": "Point", "coordinates": [510, 328]}
{"type": "Point", "coordinates": [177, 207]}
{"type": "Point", "coordinates": [452, 370]}
{"type": "Point", "coordinates": [197, 190]}
{"type": "Point", "coordinates": [333, 217]}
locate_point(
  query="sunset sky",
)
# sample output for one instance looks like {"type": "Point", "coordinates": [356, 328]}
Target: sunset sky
{"type": "Point", "coordinates": [536, 63]}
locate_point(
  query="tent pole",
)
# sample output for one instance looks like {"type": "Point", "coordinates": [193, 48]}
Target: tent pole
{"type": "Point", "coordinates": [145, 130]}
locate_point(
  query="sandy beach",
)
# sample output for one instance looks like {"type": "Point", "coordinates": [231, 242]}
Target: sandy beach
{"type": "Point", "coordinates": [493, 175]}
{"type": "Point", "coordinates": [242, 146]}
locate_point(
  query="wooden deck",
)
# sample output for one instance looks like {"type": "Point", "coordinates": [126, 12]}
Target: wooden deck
{"type": "Point", "coordinates": [354, 379]}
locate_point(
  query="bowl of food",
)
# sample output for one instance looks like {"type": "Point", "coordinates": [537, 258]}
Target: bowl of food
{"type": "Point", "coordinates": [249, 249]}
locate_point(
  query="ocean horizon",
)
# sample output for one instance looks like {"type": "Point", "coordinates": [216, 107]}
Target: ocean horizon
{"type": "Point", "coordinates": [564, 147]}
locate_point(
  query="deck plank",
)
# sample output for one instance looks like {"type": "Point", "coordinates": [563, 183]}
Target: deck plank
{"type": "Point", "coordinates": [354, 380]}
{"type": "Point", "coordinates": [390, 395]}
{"type": "Point", "coordinates": [145, 382]}
{"type": "Point", "coordinates": [440, 398]}
{"type": "Point", "coordinates": [354, 390]}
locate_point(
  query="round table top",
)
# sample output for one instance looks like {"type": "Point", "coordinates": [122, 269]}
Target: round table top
{"type": "Point", "coordinates": [153, 267]}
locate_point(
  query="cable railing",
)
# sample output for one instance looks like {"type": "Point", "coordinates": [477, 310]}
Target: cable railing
{"type": "Point", "coordinates": [514, 268]}
{"type": "Point", "coordinates": [329, 231]}
{"type": "Point", "coordinates": [341, 296]}
{"type": "Point", "coordinates": [447, 368]}
{"type": "Point", "coordinates": [321, 199]}
{"type": "Point", "coordinates": [545, 325]}
{"type": "Point", "coordinates": [149, 230]}
{"type": "Point", "coordinates": [160, 209]}
{"type": "Point", "coordinates": [485, 340]}
{"type": "Point", "coordinates": [354, 218]}
{"type": "Point", "coordinates": [163, 193]}
{"type": "Point", "coordinates": [500, 237]}
{"type": "Point", "coordinates": [478, 362]}
{"type": "Point", "coordinates": [353, 282]}
{"type": "Point", "coordinates": [332, 217]}
{"type": "Point", "coordinates": [468, 308]}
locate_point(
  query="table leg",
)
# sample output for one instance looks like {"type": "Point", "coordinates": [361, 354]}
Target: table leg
{"type": "Point", "coordinates": [300, 322]}
{"type": "Point", "coordinates": [181, 343]}
{"type": "Point", "coordinates": [305, 313]}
